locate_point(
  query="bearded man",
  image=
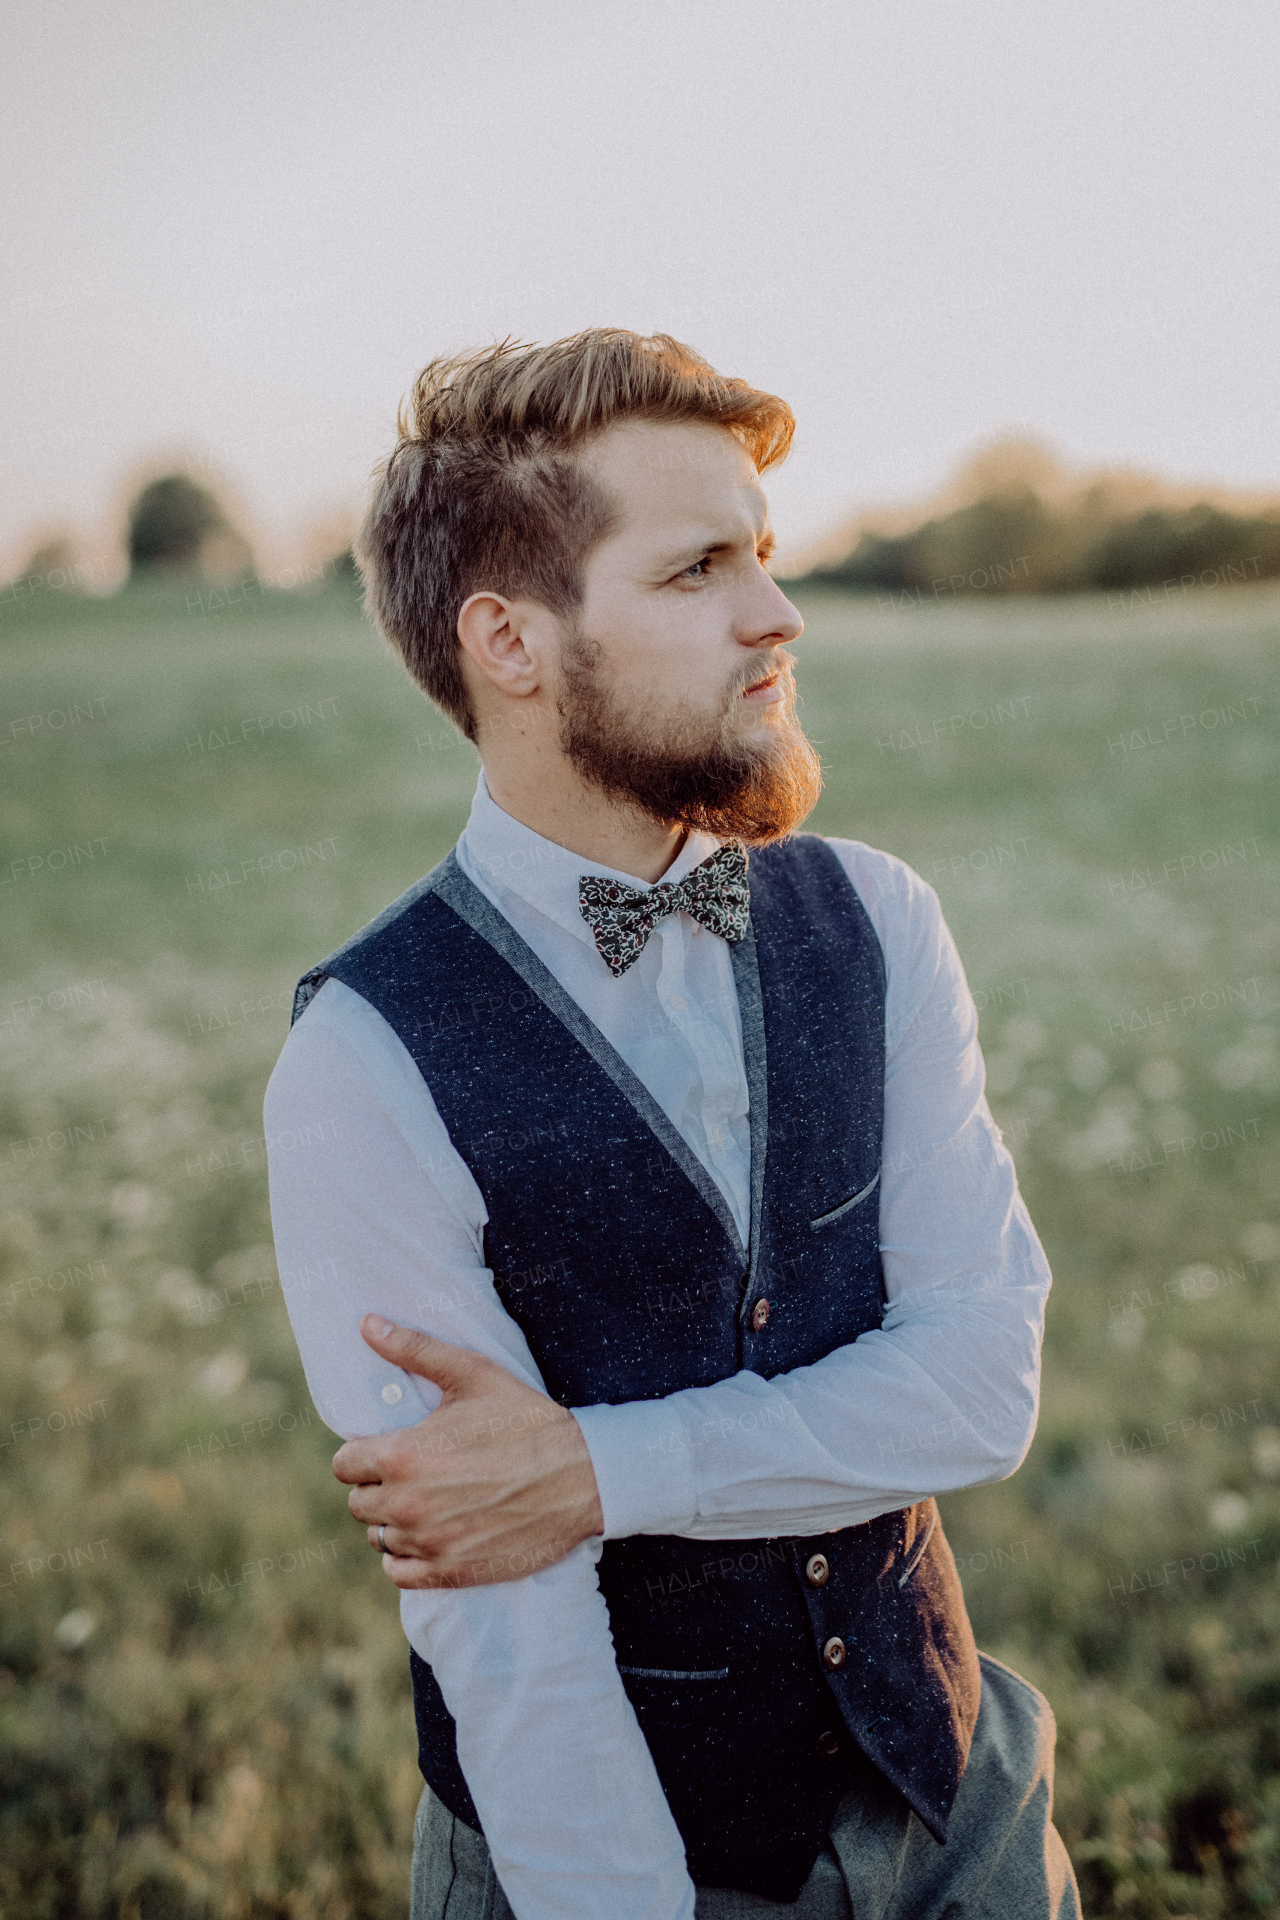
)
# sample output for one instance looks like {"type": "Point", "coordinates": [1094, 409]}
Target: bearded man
{"type": "Point", "coordinates": [663, 1252]}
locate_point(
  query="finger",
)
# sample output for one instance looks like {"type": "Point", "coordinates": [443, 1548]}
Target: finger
{"type": "Point", "coordinates": [450, 1367]}
{"type": "Point", "coordinates": [355, 1463]}
{"type": "Point", "coordinates": [394, 1542]}
{"type": "Point", "coordinates": [409, 1573]}
{"type": "Point", "coordinates": [368, 1505]}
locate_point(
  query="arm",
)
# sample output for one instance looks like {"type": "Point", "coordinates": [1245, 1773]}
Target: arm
{"type": "Point", "coordinates": [374, 1211]}
{"type": "Point", "coordinates": [944, 1395]}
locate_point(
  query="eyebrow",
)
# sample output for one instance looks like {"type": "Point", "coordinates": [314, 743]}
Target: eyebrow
{"type": "Point", "coordinates": [766, 542]}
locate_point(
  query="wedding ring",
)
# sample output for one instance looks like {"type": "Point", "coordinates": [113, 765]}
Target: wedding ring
{"type": "Point", "coordinates": [382, 1537]}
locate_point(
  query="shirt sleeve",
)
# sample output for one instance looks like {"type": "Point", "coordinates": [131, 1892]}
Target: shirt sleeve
{"type": "Point", "coordinates": [374, 1211]}
{"type": "Point", "coordinates": [945, 1393]}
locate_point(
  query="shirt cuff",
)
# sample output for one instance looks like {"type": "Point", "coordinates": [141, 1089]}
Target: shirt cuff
{"type": "Point", "coordinates": [643, 1466]}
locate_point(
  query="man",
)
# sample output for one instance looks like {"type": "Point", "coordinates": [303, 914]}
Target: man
{"type": "Point", "coordinates": [657, 1176]}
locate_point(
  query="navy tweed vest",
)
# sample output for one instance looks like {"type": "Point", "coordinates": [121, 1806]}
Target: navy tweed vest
{"type": "Point", "coordinates": [760, 1678]}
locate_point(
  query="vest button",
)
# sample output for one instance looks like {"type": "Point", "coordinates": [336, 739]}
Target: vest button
{"type": "Point", "coordinates": [828, 1744]}
{"type": "Point", "coordinates": [759, 1314]}
{"type": "Point", "coordinates": [816, 1571]}
{"type": "Point", "coordinates": [833, 1653]}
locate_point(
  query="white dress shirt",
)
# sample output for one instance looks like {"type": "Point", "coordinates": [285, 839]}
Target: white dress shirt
{"type": "Point", "coordinates": [374, 1210]}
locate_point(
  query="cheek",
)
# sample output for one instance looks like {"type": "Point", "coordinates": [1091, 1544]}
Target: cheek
{"type": "Point", "coordinates": [674, 651]}
{"type": "Point", "coordinates": [689, 648]}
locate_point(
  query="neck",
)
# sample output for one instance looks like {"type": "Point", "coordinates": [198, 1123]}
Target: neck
{"type": "Point", "coordinates": [604, 832]}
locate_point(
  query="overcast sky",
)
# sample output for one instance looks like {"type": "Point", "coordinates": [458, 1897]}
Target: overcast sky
{"type": "Point", "coordinates": [235, 232]}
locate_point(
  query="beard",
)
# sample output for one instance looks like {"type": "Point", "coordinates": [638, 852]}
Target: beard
{"type": "Point", "coordinates": [685, 772]}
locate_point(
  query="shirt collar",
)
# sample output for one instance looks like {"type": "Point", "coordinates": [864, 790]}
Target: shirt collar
{"type": "Point", "coordinates": [513, 858]}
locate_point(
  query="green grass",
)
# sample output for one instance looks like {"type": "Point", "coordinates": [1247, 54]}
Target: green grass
{"type": "Point", "coordinates": [179, 1745]}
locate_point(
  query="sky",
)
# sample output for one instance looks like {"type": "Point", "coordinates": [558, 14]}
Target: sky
{"type": "Point", "coordinates": [234, 234]}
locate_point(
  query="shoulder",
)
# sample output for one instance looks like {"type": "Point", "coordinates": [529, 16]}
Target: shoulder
{"type": "Point", "coordinates": [900, 903]}
{"type": "Point", "coordinates": [341, 1047]}
{"type": "Point", "coordinates": [921, 962]}
{"type": "Point", "coordinates": [902, 908]}
{"type": "Point", "coordinates": [400, 937]}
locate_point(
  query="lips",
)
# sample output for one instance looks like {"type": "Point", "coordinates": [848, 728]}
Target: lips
{"type": "Point", "coordinates": [777, 675]}
{"type": "Point", "coordinates": [769, 686]}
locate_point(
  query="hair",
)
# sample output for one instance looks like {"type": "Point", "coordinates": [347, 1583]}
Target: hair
{"type": "Point", "coordinates": [484, 492]}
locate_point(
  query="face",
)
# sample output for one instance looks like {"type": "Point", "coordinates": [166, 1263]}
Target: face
{"type": "Point", "coordinates": [675, 694]}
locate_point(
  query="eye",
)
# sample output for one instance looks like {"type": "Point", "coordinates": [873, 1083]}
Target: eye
{"type": "Point", "coordinates": [687, 571]}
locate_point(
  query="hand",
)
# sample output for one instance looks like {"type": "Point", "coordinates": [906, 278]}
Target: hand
{"type": "Point", "coordinates": [494, 1484]}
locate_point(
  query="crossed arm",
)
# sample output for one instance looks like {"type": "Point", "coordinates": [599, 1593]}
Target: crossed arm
{"type": "Point", "coordinates": [483, 1476]}
{"type": "Point", "coordinates": [497, 1480]}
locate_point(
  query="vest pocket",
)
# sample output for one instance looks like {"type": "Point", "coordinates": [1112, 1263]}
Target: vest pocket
{"type": "Point", "coordinates": [846, 1206]}
{"type": "Point", "coordinates": [672, 1673]}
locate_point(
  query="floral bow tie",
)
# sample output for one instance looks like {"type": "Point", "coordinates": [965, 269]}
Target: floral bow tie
{"type": "Point", "coordinates": [716, 894]}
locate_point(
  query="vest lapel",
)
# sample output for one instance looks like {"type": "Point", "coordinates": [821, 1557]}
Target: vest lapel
{"type": "Point", "coordinates": [746, 974]}
{"type": "Point", "coordinates": [471, 906]}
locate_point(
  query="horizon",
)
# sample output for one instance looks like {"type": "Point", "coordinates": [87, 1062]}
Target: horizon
{"type": "Point", "coordinates": [979, 473]}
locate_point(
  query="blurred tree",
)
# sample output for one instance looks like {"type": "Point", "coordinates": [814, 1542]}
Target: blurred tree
{"type": "Point", "coordinates": [56, 555]}
{"type": "Point", "coordinates": [999, 543]}
{"type": "Point", "coordinates": [1168, 545]}
{"type": "Point", "coordinates": [1016, 542]}
{"type": "Point", "coordinates": [53, 562]}
{"type": "Point", "coordinates": [180, 527]}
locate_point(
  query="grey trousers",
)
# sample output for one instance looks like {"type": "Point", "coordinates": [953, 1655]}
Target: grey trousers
{"type": "Point", "coordinates": [1004, 1858]}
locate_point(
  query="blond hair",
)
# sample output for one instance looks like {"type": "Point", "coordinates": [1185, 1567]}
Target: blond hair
{"type": "Point", "coordinates": [483, 490]}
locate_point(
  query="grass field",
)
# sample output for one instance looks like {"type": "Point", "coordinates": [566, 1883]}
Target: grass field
{"type": "Point", "coordinates": [204, 1701]}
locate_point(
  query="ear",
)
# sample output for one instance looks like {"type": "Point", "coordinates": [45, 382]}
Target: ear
{"type": "Point", "coordinates": [492, 633]}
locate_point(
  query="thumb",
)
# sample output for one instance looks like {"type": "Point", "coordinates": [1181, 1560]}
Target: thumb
{"type": "Point", "coordinates": [450, 1367]}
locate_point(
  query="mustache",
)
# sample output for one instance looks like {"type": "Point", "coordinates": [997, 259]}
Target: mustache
{"type": "Point", "coordinates": [783, 663]}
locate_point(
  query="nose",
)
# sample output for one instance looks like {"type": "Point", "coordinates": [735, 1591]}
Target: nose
{"type": "Point", "coordinates": [770, 618]}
